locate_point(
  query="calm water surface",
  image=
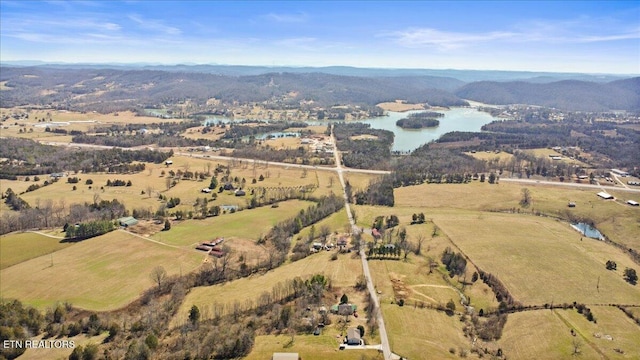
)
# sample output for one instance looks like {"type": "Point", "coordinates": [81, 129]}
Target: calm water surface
{"type": "Point", "coordinates": [455, 119]}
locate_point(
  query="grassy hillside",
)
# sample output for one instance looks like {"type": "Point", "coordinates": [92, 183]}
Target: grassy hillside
{"type": "Point", "coordinates": [18, 247]}
{"type": "Point", "coordinates": [102, 273]}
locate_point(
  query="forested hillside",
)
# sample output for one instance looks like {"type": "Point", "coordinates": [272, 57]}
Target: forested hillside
{"type": "Point", "coordinates": [567, 95]}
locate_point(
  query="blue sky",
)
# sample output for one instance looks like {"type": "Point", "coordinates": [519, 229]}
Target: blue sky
{"type": "Point", "coordinates": [592, 36]}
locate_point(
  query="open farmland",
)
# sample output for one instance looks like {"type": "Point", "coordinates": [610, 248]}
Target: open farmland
{"type": "Point", "coordinates": [614, 219]}
{"type": "Point", "coordinates": [308, 347]}
{"type": "Point", "coordinates": [530, 266]}
{"type": "Point", "coordinates": [246, 224]}
{"type": "Point", "coordinates": [18, 247]}
{"type": "Point", "coordinates": [61, 353]}
{"type": "Point", "coordinates": [102, 273]}
{"type": "Point", "coordinates": [545, 334]}
{"type": "Point", "coordinates": [423, 333]}
{"type": "Point", "coordinates": [343, 273]}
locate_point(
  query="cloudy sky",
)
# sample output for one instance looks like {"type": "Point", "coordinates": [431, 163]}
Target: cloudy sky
{"type": "Point", "coordinates": [573, 36]}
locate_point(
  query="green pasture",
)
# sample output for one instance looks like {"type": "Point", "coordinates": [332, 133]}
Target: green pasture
{"type": "Point", "coordinates": [102, 273]}
{"type": "Point", "coordinates": [18, 247]}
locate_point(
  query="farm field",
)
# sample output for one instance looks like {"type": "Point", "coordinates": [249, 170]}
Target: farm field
{"type": "Point", "coordinates": [343, 273]}
{"type": "Point", "coordinates": [546, 334]}
{"type": "Point", "coordinates": [77, 121]}
{"type": "Point", "coordinates": [18, 247]}
{"type": "Point", "coordinates": [308, 347]}
{"type": "Point", "coordinates": [246, 224]}
{"type": "Point", "coordinates": [614, 219]}
{"type": "Point", "coordinates": [101, 273]}
{"type": "Point", "coordinates": [530, 265]}
{"type": "Point", "coordinates": [423, 333]}
{"type": "Point", "coordinates": [543, 152]}
{"type": "Point", "coordinates": [491, 157]}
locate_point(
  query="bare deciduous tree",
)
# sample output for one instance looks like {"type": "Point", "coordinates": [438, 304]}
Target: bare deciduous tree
{"type": "Point", "coordinates": [158, 274]}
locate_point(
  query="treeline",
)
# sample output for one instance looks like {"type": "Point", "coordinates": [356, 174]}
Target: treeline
{"type": "Point", "coordinates": [435, 165]}
{"type": "Point", "coordinates": [127, 141]}
{"type": "Point", "coordinates": [280, 235]}
{"type": "Point", "coordinates": [294, 156]}
{"type": "Point", "coordinates": [51, 214]}
{"type": "Point", "coordinates": [89, 229]}
{"type": "Point", "coordinates": [379, 192]}
{"type": "Point", "coordinates": [363, 153]}
{"type": "Point", "coordinates": [420, 120]}
{"type": "Point", "coordinates": [33, 158]}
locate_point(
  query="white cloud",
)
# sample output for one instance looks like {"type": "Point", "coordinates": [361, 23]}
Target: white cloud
{"type": "Point", "coordinates": [287, 18]}
{"type": "Point", "coordinates": [154, 25]}
{"type": "Point", "coordinates": [445, 40]}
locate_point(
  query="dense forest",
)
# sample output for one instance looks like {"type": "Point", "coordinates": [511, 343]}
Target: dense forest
{"type": "Point", "coordinates": [568, 94]}
{"type": "Point", "coordinates": [373, 152]}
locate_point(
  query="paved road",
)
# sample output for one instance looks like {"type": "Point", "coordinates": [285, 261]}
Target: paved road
{"type": "Point", "coordinates": [384, 346]}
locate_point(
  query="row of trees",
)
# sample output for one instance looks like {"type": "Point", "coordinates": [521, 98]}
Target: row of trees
{"type": "Point", "coordinates": [88, 229]}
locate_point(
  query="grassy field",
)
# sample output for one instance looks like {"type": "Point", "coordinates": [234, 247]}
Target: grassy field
{"type": "Point", "coordinates": [530, 263]}
{"type": "Point", "coordinates": [77, 121]}
{"type": "Point", "coordinates": [616, 220]}
{"type": "Point", "coordinates": [423, 333]}
{"type": "Point", "coordinates": [546, 334]}
{"type": "Point", "coordinates": [400, 105]}
{"type": "Point", "coordinates": [18, 247]}
{"type": "Point", "coordinates": [102, 273]}
{"type": "Point", "coordinates": [545, 153]}
{"type": "Point", "coordinates": [491, 157]}
{"type": "Point", "coordinates": [343, 273]}
{"type": "Point", "coordinates": [308, 347]}
{"type": "Point", "coordinates": [246, 224]}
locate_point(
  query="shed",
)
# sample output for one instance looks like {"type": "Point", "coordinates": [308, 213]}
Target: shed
{"type": "Point", "coordinates": [240, 192]}
{"type": "Point", "coordinates": [285, 356]}
{"type": "Point", "coordinates": [206, 190]}
{"type": "Point", "coordinates": [353, 336]}
{"type": "Point", "coordinates": [346, 309]}
{"type": "Point", "coordinates": [168, 162]}
{"type": "Point", "coordinates": [572, 204]}
{"type": "Point", "coordinates": [605, 195]}
{"type": "Point", "coordinates": [632, 203]}
{"type": "Point", "coordinates": [127, 221]}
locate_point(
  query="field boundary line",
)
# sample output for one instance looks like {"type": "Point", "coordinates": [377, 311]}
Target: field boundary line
{"type": "Point", "coordinates": [570, 326]}
{"type": "Point", "coordinates": [47, 235]}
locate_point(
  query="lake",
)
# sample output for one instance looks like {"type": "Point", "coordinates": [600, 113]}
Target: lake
{"type": "Point", "coordinates": [455, 119]}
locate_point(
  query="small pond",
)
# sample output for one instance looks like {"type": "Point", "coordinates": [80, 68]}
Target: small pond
{"type": "Point", "coordinates": [588, 231]}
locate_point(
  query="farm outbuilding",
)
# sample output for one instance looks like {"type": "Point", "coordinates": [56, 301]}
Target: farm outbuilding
{"type": "Point", "coordinates": [605, 195]}
{"type": "Point", "coordinates": [633, 203]}
{"type": "Point", "coordinates": [127, 221]}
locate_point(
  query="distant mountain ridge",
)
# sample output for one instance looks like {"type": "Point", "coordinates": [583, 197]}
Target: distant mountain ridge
{"type": "Point", "coordinates": [567, 94]}
{"type": "Point", "coordinates": [146, 84]}
{"type": "Point", "coordinates": [243, 70]}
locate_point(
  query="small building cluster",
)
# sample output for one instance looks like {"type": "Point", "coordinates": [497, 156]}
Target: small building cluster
{"type": "Point", "coordinates": [212, 248]}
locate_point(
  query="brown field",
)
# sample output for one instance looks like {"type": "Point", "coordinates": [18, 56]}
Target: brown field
{"type": "Point", "coordinates": [102, 273]}
{"type": "Point", "coordinates": [491, 157]}
{"type": "Point", "coordinates": [543, 152]}
{"type": "Point", "coordinates": [530, 267]}
{"type": "Point", "coordinates": [77, 121]}
{"type": "Point", "coordinates": [616, 220]}
{"type": "Point", "coordinates": [343, 273]}
{"type": "Point", "coordinates": [400, 106]}
{"type": "Point", "coordinates": [529, 334]}
{"type": "Point", "coordinates": [308, 347]}
{"type": "Point", "coordinates": [423, 333]}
